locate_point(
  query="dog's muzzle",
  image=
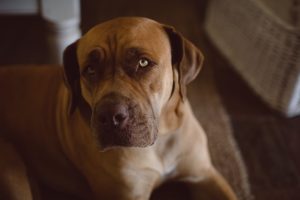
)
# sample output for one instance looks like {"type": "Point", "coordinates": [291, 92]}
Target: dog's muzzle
{"type": "Point", "coordinates": [119, 121]}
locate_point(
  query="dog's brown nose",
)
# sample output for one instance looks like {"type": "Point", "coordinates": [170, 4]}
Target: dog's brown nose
{"type": "Point", "coordinates": [113, 114]}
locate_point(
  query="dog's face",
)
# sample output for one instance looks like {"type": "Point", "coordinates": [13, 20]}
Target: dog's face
{"type": "Point", "coordinates": [124, 72]}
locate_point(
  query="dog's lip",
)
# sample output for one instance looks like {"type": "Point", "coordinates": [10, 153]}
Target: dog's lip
{"type": "Point", "coordinates": [106, 143]}
{"type": "Point", "coordinates": [112, 147]}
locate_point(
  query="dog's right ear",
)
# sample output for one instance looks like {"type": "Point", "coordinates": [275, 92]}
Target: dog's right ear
{"type": "Point", "coordinates": [72, 75]}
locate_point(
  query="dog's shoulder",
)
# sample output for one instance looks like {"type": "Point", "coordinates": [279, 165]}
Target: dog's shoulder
{"type": "Point", "coordinates": [31, 76]}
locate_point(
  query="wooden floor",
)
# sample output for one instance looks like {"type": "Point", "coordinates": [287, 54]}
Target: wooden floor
{"type": "Point", "coordinates": [270, 143]}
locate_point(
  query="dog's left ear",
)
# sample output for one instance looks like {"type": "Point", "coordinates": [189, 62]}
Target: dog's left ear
{"type": "Point", "coordinates": [72, 74]}
{"type": "Point", "coordinates": [186, 58]}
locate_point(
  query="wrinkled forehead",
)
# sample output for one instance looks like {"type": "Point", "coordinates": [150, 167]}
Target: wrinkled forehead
{"type": "Point", "coordinates": [118, 35]}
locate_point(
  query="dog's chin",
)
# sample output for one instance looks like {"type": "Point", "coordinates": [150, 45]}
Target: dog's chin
{"type": "Point", "coordinates": [108, 140]}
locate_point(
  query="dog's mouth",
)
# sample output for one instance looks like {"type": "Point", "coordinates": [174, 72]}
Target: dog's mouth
{"type": "Point", "coordinates": [118, 121]}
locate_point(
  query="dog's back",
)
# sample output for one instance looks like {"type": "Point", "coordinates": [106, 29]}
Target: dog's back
{"type": "Point", "coordinates": [28, 105]}
{"type": "Point", "coordinates": [25, 96]}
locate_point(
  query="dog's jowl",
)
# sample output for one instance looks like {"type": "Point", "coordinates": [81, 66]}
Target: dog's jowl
{"type": "Point", "coordinates": [113, 123]}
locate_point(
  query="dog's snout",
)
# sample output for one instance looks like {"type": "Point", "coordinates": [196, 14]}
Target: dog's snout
{"type": "Point", "coordinates": [113, 114]}
{"type": "Point", "coordinates": [118, 120]}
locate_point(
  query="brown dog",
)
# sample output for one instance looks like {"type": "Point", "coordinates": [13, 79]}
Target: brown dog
{"type": "Point", "coordinates": [117, 128]}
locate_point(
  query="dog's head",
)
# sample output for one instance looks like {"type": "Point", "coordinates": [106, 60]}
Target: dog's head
{"type": "Point", "coordinates": [126, 71]}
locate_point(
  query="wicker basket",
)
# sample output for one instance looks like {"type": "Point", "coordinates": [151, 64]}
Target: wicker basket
{"type": "Point", "coordinates": [262, 46]}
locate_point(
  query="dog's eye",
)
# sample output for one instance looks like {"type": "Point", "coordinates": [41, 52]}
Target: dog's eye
{"type": "Point", "coordinates": [144, 62]}
{"type": "Point", "coordinates": [90, 71]}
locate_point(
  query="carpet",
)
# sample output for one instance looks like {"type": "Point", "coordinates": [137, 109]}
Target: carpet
{"type": "Point", "coordinates": [268, 141]}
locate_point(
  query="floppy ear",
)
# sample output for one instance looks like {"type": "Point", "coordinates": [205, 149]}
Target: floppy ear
{"type": "Point", "coordinates": [186, 58]}
{"type": "Point", "coordinates": [72, 75]}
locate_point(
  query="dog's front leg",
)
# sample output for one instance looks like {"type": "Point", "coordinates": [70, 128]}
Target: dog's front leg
{"type": "Point", "coordinates": [143, 187]}
{"type": "Point", "coordinates": [212, 187]}
{"type": "Point", "coordinates": [130, 184]}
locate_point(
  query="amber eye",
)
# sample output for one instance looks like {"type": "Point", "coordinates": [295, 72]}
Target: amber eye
{"type": "Point", "coordinates": [144, 62]}
{"type": "Point", "coordinates": [90, 71]}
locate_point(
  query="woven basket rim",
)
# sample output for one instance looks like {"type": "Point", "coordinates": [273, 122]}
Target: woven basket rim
{"type": "Point", "coordinates": [276, 19]}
